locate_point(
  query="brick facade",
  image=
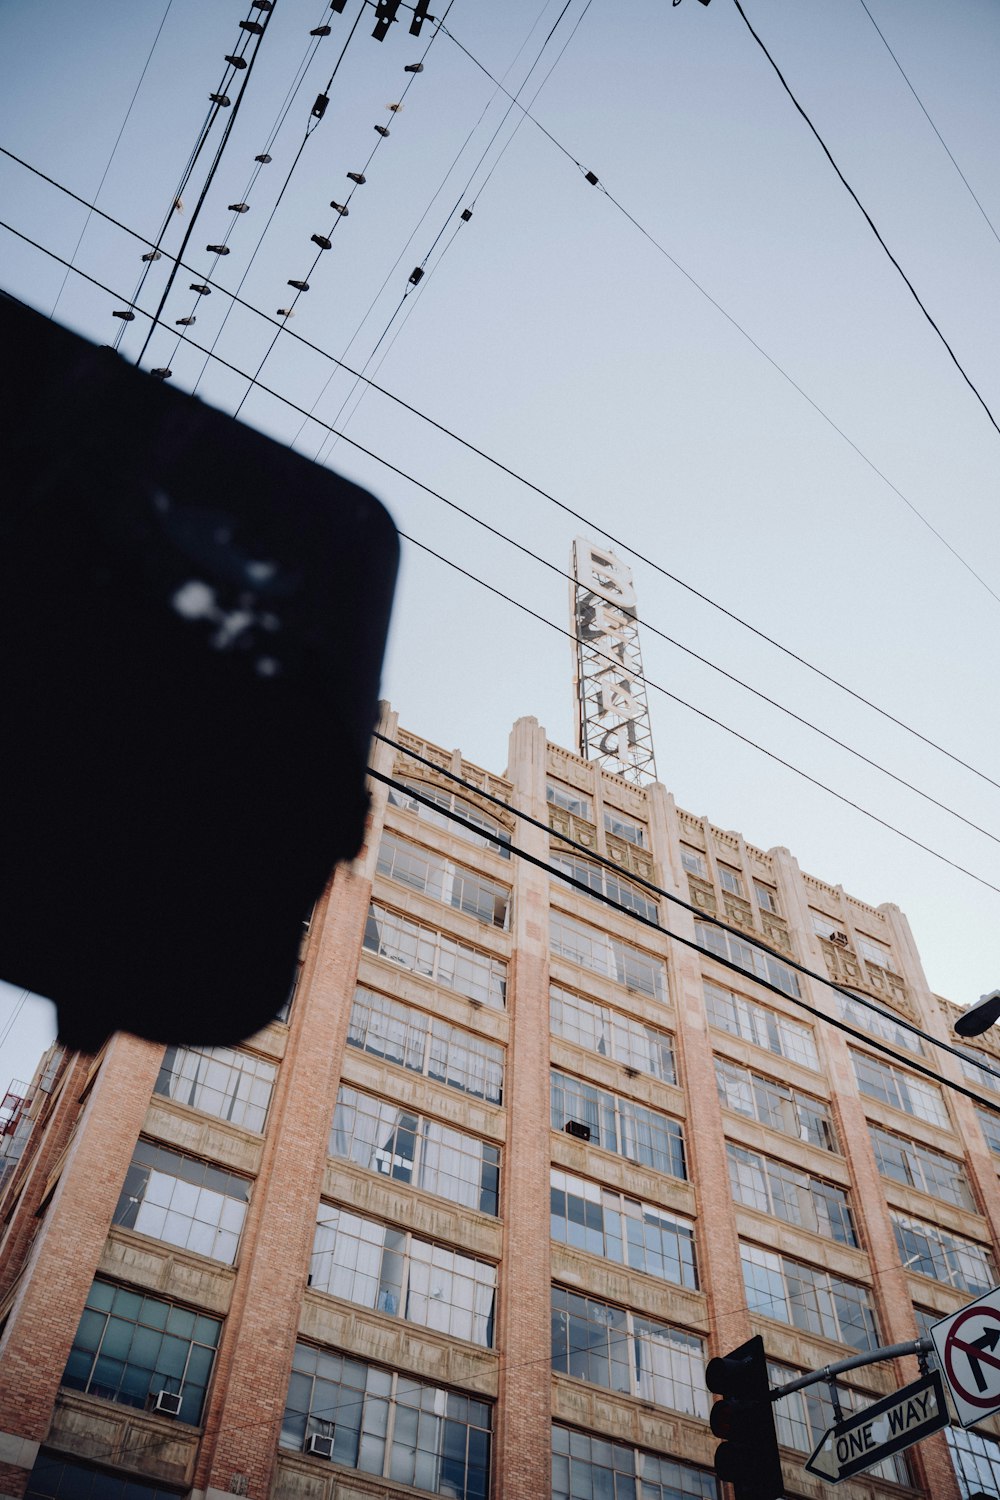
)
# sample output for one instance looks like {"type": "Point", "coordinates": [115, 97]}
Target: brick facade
{"type": "Point", "coordinates": [435, 961]}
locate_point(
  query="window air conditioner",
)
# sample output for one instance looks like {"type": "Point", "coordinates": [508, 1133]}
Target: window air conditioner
{"type": "Point", "coordinates": [839, 937]}
{"type": "Point", "coordinates": [577, 1128]}
{"type": "Point", "coordinates": [168, 1402]}
{"type": "Point", "coordinates": [319, 1446]}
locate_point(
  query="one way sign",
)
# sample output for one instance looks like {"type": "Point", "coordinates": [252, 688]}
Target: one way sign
{"type": "Point", "coordinates": [968, 1346]}
{"type": "Point", "coordinates": [880, 1430]}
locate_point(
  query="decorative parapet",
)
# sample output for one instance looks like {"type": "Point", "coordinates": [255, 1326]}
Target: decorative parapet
{"type": "Point", "coordinates": [702, 894]}
{"type": "Point", "coordinates": [844, 967]}
{"type": "Point", "coordinates": [638, 861]}
{"type": "Point", "coordinates": [486, 781]}
{"type": "Point", "coordinates": [738, 911]}
{"type": "Point", "coordinates": [567, 825]}
{"type": "Point", "coordinates": [404, 766]}
{"type": "Point", "coordinates": [776, 933]}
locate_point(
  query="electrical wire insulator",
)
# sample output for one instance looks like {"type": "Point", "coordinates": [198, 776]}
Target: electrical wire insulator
{"type": "Point", "coordinates": [417, 274]}
{"type": "Point", "coordinates": [222, 100]}
{"type": "Point", "coordinates": [235, 61]}
{"type": "Point", "coordinates": [261, 4]}
{"type": "Point", "coordinates": [338, 6]}
{"type": "Point", "coordinates": [466, 215]}
{"type": "Point", "coordinates": [382, 129]}
{"type": "Point", "coordinates": [284, 312]}
{"type": "Point", "coordinates": [201, 289]}
{"type": "Point", "coordinates": [592, 178]}
{"type": "Point", "coordinates": [217, 249]}
{"type": "Point", "coordinates": [263, 158]}
{"type": "Point", "coordinates": [358, 177]}
{"type": "Point", "coordinates": [321, 31]}
{"type": "Point", "coordinates": [414, 68]}
{"type": "Point", "coordinates": [239, 208]}
{"type": "Point", "coordinates": [395, 108]}
{"type": "Point", "coordinates": [161, 373]}
{"type": "Point", "coordinates": [253, 26]}
{"type": "Point", "coordinates": [300, 286]}
{"type": "Point", "coordinates": [420, 15]}
{"type": "Point", "coordinates": [152, 255]}
{"type": "Point", "coordinates": [319, 108]}
{"type": "Point", "coordinates": [340, 208]}
{"type": "Point", "coordinates": [125, 313]}
{"type": "Point", "coordinates": [320, 240]}
{"type": "Point", "coordinates": [185, 322]}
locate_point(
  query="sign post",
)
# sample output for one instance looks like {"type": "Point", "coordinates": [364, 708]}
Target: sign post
{"type": "Point", "coordinates": [880, 1430]}
{"type": "Point", "coordinates": [968, 1346]}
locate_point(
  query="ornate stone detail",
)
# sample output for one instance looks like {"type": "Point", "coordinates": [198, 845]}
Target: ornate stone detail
{"type": "Point", "coordinates": [568, 826]}
{"type": "Point", "coordinates": [738, 911]}
{"type": "Point", "coordinates": [404, 766]}
{"type": "Point", "coordinates": [702, 894]}
{"type": "Point", "coordinates": [776, 933]}
{"type": "Point", "coordinates": [841, 964]}
{"type": "Point", "coordinates": [630, 858]}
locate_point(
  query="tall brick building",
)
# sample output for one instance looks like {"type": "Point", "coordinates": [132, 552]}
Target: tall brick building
{"type": "Point", "coordinates": [324, 1264]}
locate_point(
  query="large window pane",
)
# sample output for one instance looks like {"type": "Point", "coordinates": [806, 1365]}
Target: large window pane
{"type": "Point", "coordinates": [622, 1229]}
{"type": "Point", "coordinates": [620, 1125]}
{"type": "Point", "coordinates": [810, 1299]}
{"type": "Point", "coordinates": [221, 1081]}
{"type": "Point", "coordinates": [369, 1263]}
{"type": "Point", "coordinates": [615, 1348]}
{"type": "Point", "coordinates": [384, 1138]}
{"type": "Point", "coordinates": [440, 1439]}
{"type": "Point", "coordinates": [184, 1201]}
{"type": "Point", "coordinates": [453, 964]}
{"type": "Point", "coordinates": [128, 1353]}
{"type": "Point", "coordinates": [400, 1034]}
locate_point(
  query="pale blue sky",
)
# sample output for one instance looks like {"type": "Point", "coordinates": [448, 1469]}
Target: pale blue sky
{"type": "Point", "coordinates": [558, 338]}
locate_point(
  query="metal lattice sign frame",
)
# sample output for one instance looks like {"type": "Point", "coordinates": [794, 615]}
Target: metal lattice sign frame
{"type": "Point", "coordinates": [612, 712]}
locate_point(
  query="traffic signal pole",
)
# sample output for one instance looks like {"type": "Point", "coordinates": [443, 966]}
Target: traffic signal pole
{"type": "Point", "coordinates": [828, 1372]}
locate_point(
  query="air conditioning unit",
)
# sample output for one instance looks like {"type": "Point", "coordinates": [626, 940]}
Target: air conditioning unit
{"type": "Point", "coordinates": [319, 1446]}
{"type": "Point", "coordinates": [577, 1128]}
{"type": "Point", "coordinates": [841, 938]}
{"type": "Point", "coordinates": [168, 1402]}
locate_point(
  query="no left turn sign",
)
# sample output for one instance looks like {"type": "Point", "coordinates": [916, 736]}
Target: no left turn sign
{"type": "Point", "coordinates": [968, 1347]}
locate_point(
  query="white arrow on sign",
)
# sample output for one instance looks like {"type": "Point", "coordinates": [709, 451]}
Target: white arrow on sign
{"type": "Point", "coordinates": [880, 1430]}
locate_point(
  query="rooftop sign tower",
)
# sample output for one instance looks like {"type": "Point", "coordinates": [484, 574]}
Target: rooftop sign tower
{"type": "Point", "coordinates": [612, 714]}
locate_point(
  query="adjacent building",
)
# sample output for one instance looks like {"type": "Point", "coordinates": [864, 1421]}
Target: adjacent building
{"type": "Point", "coordinates": [469, 1217]}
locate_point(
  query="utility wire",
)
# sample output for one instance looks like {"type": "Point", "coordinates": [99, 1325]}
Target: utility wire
{"type": "Point", "coordinates": [261, 160]}
{"type": "Point", "coordinates": [230, 122]}
{"type": "Point", "coordinates": [727, 963]}
{"type": "Point", "coordinates": [868, 219]}
{"type": "Point", "coordinates": [498, 464]}
{"type": "Point", "coordinates": [311, 125]}
{"type": "Point", "coordinates": [692, 708]}
{"type": "Point", "coordinates": [341, 214]}
{"type": "Point", "coordinates": [930, 122]}
{"type": "Point", "coordinates": [661, 249]}
{"type": "Point", "coordinates": [412, 236]}
{"type": "Point", "coordinates": [499, 593]}
{"type": "Point", "coordinates": [326, 446]}
{"type": "Point", "coordinates": [674, 900]}
{"type": "Point", "coordinates": [114, 149]}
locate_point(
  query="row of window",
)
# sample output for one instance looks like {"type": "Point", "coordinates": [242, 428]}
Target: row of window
{"type": "Point", "coordinates": [616, 823]}
{"type": "Point", "coordinates": [586, 1466]}
{"type": "Point", "coordinates": [730, 879]}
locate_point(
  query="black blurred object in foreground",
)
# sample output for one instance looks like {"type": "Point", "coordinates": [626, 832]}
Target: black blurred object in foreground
{"type": "Point", "coordinates": [193, 620]}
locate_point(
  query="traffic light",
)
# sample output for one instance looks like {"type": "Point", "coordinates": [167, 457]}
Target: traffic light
{"type": "Point", "coordinates": [747, 1458]}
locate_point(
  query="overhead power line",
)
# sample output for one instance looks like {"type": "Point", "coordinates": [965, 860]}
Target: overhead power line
{"type": "Point", "coordinates": [930, 122]}
{"type": "Point", "coordinates": [114, 149]}
{"type": "Point", "coordinates": [499, 593]}
{"type": "Point", "coordinates": [498, 464]}
{"type": "Point", "coordinates": [593, 179]}
{"type": "Point", "coordinates": [323, 242]}
{"type": "Point", "coordinates": [418, 274]}
{"type": "Point", "coordinates": [644, 921]}
{"type": "Point", "coordinates": [869, 220]}
{"type": "Point", "coordinates": [233, 111]}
